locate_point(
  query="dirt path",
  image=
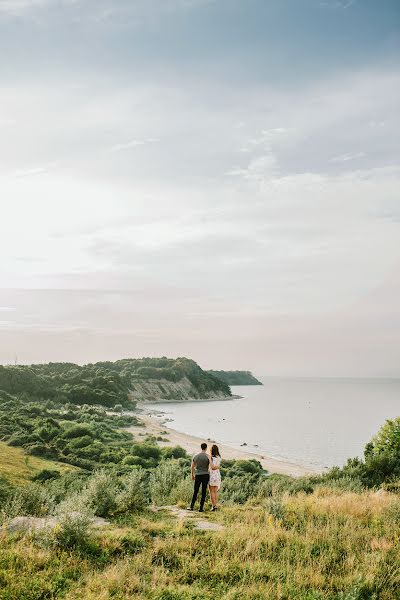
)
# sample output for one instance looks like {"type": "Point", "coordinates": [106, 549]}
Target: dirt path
{"type": "Point", "coordinates": [183, 514]}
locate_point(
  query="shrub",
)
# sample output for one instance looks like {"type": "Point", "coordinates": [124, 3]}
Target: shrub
{"type": "Point", "coordinates": [30, 500]}
{"type": "Point", "coordinates": [74, 529]}
{"type": "Point", "coordinates": [134, 493]}
{"type": "Point", "coordinates": [6, 490]}
{"type": "Point", "coordinates": [274, 485]}
{"type": "Point", "coordinates": [392, 512]}
{"type": "Point", "coordinates": [46, 475]}
{"type": "Point", "coordinates": [67, 484]}
{"type": "Point", "coordinates": [163, 480]}
{"type": "Point", "coordinates": [132, 460]}
{"type": "Point", "coordinates": [252, 466]}
{"type": "Point", "coordinates": [387, 440]}
{"type": "Point", "coordinates": [41, 450]}
{"type": "Point", "coordinates": [81, 442]}
{"type": "Point", "coordinates": [76, 431]}
{"type": "Point", "coordinates": [182, 492]}
{"type": "Point", "coordinates": [346, 483]}
{"type": "Point", "coordinates": [175, 452]}
{"type": "Point", "coordinates": [100, 493]}
{"type": "Point", "coordinates": [238, 489]}
{"type": "Point", "coordinates": [146, 451]}
{"type": "Point", "coordinates": [276, 509]}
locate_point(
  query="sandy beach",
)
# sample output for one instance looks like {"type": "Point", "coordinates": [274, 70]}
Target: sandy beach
{"type": "Point", "coordinates": [156, 426]}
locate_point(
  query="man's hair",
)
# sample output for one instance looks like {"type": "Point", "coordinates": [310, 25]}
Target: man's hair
{"type": "Point", "coordinates": [203, 446]}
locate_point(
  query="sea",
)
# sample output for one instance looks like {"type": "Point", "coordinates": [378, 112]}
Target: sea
{"type": "Point", "coordinates": [315, 422]}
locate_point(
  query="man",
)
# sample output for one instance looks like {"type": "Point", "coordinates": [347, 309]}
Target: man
{"type": "Point", "coordinates": [200, 476]}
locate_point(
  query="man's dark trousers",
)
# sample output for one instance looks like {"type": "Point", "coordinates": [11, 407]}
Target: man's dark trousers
{"type": "Point", "coordinates": [200, 480]}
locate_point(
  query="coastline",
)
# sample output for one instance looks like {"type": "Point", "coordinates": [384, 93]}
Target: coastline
{"type": "Point", "coordinates": [184, 400]}
{"type": "Point", "coordinates": [158, 427]}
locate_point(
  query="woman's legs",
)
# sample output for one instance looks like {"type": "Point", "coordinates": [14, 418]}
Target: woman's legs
{"type": "Point", "coordinates": [213, 494]}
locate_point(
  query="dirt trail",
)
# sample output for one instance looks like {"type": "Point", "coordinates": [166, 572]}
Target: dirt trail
{"type": "Point", "coordinates": [182, 514]}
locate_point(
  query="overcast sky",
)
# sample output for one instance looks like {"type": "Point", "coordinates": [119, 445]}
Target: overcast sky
{"type": "Point", "coordinates": [210, 178]}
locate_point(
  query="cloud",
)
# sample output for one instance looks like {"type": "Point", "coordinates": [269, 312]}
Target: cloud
{"type": "Point", "coordinates": [39, 170]}
{"type": "Point", "coordinates": [338, 4]}
{"type": "Point", "coordinates": [131, 144]}
{"type": "Point", "coordinates": [19, 7]}
{"type": "Point", "coordinates": [123, 11]}
{"type": "Point", "coordinates": [259, 170]}
{"type": "Point", "coordinates": [255, 221]}
{"type": "Point", "coordinates": [346, 157]}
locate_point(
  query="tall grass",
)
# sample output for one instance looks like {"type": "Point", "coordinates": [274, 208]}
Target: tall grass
{"type": "Point", "coordinates": [327, 544]}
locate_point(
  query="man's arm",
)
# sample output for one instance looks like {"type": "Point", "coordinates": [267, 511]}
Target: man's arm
{"type": "Point", "coordinates": [193, 470]}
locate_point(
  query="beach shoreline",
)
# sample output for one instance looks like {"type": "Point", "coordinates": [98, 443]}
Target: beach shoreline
{"type": "Point", "coordinates": [143, 405]}
{"type": "Point", "coordinates": [157, 426]}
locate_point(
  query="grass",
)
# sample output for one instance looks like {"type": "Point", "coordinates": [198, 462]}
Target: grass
{"type": "Point", "coordinates": [325, 545]}
{"type": "Point", "coordinates": [18, 467]}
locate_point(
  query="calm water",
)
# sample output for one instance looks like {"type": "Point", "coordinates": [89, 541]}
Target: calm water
{"type": "Point", "coordinates": [317, 422]}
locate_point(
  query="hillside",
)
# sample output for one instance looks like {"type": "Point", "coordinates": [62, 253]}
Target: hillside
{"type": "Point", "coordinates": [113, 383]}
{"type": "Point", "coordinates": [236, 377]}
{"type": "Point", "coordinates": [160, 379]}
{"type": "Point", "coordinates": [327, 545]}
{"type": "Point", "coordinates": [332, 536]}
{"type": "Point", "coordinates": [18, 467]}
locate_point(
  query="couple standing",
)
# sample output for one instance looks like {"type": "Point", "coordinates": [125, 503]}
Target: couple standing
{"type": "Point", "coordinates": [205, 471]}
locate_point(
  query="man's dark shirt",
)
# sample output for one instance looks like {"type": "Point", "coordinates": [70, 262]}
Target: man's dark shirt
{"type": "Point", "coordinates": [201, 463]}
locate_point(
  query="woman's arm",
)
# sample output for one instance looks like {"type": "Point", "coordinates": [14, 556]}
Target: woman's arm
{"type": "Point", "coordinates": [213, 467]}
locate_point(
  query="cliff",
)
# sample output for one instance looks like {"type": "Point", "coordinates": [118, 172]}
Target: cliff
{"type": "Point", "coordinates": [162, 390]}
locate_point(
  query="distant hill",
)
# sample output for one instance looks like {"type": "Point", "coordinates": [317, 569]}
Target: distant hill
{"type": "Point", "coordinates": [168, 379]}
{"type": "Point", "coordinates": [236, 377]}
{"type": "Point", "coordinates": [110, 383]}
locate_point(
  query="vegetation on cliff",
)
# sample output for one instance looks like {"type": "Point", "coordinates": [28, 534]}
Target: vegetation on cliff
{"type": "Point", "coordinates": [108, 383]}
{"type": "Point", "coordinates": [236, 377]}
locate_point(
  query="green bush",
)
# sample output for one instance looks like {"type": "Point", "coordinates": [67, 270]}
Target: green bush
{"type": "Point", "coordinates": [276, 509]}
{"type": "Point", "coordinates": [163, 480]}
{"type": "Point", "coordinates": [133, 494]}
{"type": "Point", "coordinates": [146, 451]}
{"type": "Point", "coordinates": [68, 484]}
{"type": "Point", "coordinates": [387, 440]}
{"type": "Point", "coordinates": [273, 485]}
{"type": "Point", "coordinates": [182, 491]}
{"type": "Point", "coordinates": [30, 500]}
{"type": "Point", "coordinates": [100, 493]}
{"type": "Point", "coordinates": [174, 452]}
{"type": "Point", "coordinates": [6, 491]}
{"type": "Point", "coordinates": [74, 529]}
{"type": "Point", "coordinates": [46, 475]}
{"type": "Point", "coordinates": [239, 488]}
{"type": "Point", "coordinates": [77, 431]}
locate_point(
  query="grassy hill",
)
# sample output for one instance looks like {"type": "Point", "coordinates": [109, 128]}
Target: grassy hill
{"type": "Point", "coordinates": [18, 468]}
{"type": "Point", "coordinates": [328, 545]}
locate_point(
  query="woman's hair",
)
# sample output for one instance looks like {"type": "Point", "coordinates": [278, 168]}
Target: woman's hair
{"type": "Point", "coordinates": [214, 450]}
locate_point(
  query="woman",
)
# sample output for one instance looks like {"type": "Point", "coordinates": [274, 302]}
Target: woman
{"type": "Point", "coordinates": [215, 475]}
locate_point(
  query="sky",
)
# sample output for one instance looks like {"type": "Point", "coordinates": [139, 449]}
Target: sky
{"type": "Point", "coordinates": [217, 179]}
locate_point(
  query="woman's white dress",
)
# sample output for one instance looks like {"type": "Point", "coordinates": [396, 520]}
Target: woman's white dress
{"type": "Point", "coordinates": [215, 475]}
